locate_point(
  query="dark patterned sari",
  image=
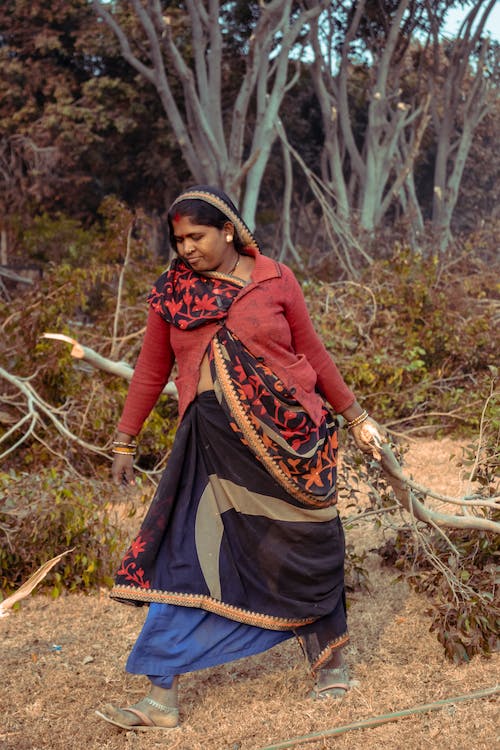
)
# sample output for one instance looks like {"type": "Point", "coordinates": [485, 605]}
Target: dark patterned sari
{"type": "Point", "coordinates": [243, 523]}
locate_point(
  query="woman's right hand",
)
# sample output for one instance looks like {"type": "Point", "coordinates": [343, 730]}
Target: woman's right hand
{"type": "Point", "coordinates": [122, 469]}
{"type": "Point", "coordinates": [124, 447]}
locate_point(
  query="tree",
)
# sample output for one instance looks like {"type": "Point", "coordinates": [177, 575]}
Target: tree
{"type": "Point", "coordinates": [466, 71]}
{"type": "Point", "coordinates": [377, 93]}
{"type": "Point", "coordinates": [25, 173]}
{"type": "Point", "coordinates": [35, 76]}
{"type": "Point", "coordinates": [477, 198]}
{"type": "Point", "coordinates": [77, 122]}
{"type": "Point", "coordinates": [190, 42]}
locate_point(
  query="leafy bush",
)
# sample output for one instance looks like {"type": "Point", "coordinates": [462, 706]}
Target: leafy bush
{"type": "Point", "coordinates": [414, 337]}
{"type": "Point", "coordinates": [459, 571]}
{"type": "Point", "coordinates": [460, 586]}
{"type": "Point", "coordinates": [79, 301]}
{"type": "Point", "coordinates": [57, 239]}
{"type": "Point", "coordinates": [47, 513]}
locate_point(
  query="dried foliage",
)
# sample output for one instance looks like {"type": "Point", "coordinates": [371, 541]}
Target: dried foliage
{"type": "Point", "coordinates": [459, 571]}
{"type": "Point", "coordinates": [416, 336]}
{"type": "Point", "coordinates": [45, 513]}
{"type": "Point", "coordinates": [77, 297]}
{"type": "Point", "coordinates": [461, 585]}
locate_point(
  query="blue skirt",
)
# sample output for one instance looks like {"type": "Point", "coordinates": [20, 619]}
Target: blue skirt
{"type": "Point", "coordinates": [176, 639]}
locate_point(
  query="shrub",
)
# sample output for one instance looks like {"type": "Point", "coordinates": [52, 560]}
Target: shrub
{"type": "Point", "coordinates": [460, 586]}
{"type": "Point", "coordinates": [459, 571]}
{"type": "Point", "coordinates": [414, 337]}
{"type": "Point", "coordinates": [47, 513]}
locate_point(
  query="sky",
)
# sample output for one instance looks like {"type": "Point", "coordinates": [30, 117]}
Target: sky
{"type": "Point", "coordinates": [456, 16]}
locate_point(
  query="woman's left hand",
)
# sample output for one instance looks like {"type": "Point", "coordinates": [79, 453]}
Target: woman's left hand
{"type": "Point", "coordinates": [369, 437]}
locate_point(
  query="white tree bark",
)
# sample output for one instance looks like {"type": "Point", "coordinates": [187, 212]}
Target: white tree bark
{"type": "Point", "coordinates": [366, 180]}
{"type": "Point", "coordinates": [212, 154]}
{"type": "Point", "coordinates": [461, 98]}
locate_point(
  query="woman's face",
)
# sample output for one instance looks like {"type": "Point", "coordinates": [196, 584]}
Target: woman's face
{"type": "Point", "coordinates": [204, 248]}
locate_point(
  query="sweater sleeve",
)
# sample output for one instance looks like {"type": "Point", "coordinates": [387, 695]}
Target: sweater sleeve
{"type": "Point", "coordinates": [306, 341]}
{"type": "Point", "coordinates": [151, 373]}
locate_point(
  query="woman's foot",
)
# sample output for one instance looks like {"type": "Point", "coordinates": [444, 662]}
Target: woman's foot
{"type": "Point", "coordinates": [331, 683]}
{"type": "Point", "coordinates": [332, 679]}
{"type": "Point", "coordinates": [158, 710]}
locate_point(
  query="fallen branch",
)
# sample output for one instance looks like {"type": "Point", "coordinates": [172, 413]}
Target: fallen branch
{"type": "Point", "coordinates": [13, 276]}
{"type": "Point", "coordinates": [122, 369]}
{"type": "Point", "coordinates": [36, 409]}
{"type": "Point", "coordinates": [401, 485]}
{"type": "Point", "coordinates": [27, 587]}
{"type": "Point", "coordinates": [402, 490]}
{"type": "Point", "coordinates": [376, 721]}
{"type": "Point", "coordinates": [466, 501]}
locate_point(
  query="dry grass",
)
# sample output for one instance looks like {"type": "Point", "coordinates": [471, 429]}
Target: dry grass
{"type": "Point", "coordinates": [48, 696]}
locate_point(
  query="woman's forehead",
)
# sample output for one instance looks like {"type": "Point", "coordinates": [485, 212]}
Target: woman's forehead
{"type": "Point", "coordinates": [185, 225]}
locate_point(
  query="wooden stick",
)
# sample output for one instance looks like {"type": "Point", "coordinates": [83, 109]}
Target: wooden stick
{"type": "Point", "coordinates": [375, 721]}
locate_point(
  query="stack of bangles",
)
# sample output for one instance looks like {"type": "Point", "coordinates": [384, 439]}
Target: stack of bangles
{"type": "Point", "coordinates": [357, 420]}
{"type": "Point", "coordinates": [124, 449]}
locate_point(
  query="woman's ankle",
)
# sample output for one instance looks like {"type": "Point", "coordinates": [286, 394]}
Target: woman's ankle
{"type": "Point", "coordinates": [166, 696]}
{"type": "Point", "coordinates": [335, 661]}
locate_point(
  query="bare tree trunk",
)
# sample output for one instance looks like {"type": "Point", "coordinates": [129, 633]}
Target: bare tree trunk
{"type": "Point", "coordinates": [367, 180]}
{"type": "Point", "coordinates": [327, 94]}
{"type": "Point", "coordinates": [4, 255]}
{"type": "Point", "coordinates": [458, 107]}
{"type": "Point", "coordinates": [287, 245]}
{"type": "Point", "coordinates": [385, 124]}
{"type": "Point", "coordinates": [212, 155]}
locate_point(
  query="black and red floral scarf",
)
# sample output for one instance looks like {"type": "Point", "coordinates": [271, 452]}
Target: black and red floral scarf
{"type": "Point", "coordinates": [300, 455]}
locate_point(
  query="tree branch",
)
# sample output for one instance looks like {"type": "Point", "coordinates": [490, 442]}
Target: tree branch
{"type": "Point", "coordinates": [401, 486]}
{"type": "Point", "coordinates": [122, 369]}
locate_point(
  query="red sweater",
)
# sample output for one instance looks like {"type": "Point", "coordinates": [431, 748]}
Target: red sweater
{"type": "Point", "coordinates": [270, 317]}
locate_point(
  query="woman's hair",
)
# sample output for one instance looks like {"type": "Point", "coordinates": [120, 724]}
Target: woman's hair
{"type": "Point", "coordinates": [201, 212]}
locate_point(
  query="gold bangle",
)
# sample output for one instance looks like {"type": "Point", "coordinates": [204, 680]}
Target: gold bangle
{"type": "Point", "coordinates": [123, 451]}
{"type": "Point", "coordinates": [357, 420]}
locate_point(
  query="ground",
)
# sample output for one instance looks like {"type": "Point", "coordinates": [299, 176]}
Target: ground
{"type": "Point", "coordinates": [61, 659]}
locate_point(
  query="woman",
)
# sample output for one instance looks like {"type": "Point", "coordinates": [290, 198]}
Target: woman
{"type": "Point", "coordinates": [242, 546]}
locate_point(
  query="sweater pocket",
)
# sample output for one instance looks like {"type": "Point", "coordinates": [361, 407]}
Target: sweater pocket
{"type": "Point", "coordinates": [300, 374]}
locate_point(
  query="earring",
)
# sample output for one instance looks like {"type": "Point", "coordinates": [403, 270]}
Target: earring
{"type": "Point", "coordinates": [229, 237]}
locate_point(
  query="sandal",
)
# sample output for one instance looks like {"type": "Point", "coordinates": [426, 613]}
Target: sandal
{"type": "Point", "coordinates": [116, 716]}
{"type": "Point", "coordinates": [331, 683]}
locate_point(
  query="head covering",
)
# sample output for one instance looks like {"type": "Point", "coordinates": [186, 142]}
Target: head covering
{"type": "Point", "coordinates": [217, 198]}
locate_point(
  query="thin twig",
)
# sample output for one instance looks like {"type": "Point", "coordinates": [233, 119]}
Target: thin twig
{"type": "Point", "coordinates": [350, 520]}
{"type": "Point", "coordinates": [481, 433]}
{"type": "Point", "coordinates": [120, 288]}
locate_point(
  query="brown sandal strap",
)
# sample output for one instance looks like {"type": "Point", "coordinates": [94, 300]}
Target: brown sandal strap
{"type": "Point", "coordinates": [332, 678]}
{"type": "Point", "coordinates": [145, 720]}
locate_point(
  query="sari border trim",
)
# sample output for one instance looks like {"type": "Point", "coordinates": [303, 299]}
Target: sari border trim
{"type": "Point", "coordinates": [326, 653]}
{"type": "Point", "coordinates": [255, 442]}
{"type": "Point", "coordinates": [201, 601]}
